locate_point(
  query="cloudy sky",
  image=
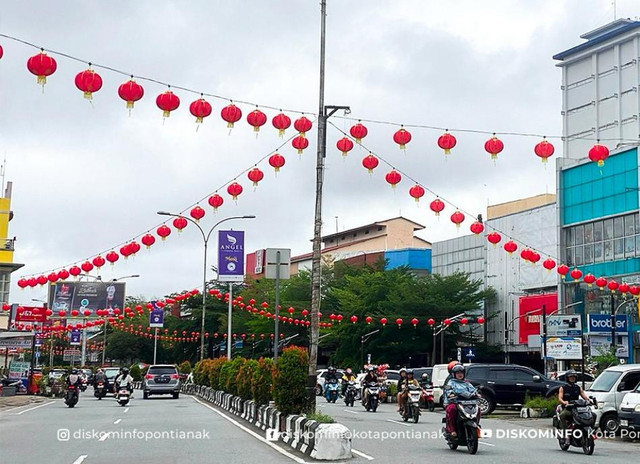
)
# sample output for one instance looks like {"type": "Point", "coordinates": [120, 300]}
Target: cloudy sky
{"type": "Point", "coordinates": [89, 177]}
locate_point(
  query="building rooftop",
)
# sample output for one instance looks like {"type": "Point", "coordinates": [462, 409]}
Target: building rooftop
{"type": "Point", "coordinates": [520, 205]}
{"type": "Point", "coordinates": [367, 226]}
{"type": "Point", "coordinates": [600, 35]}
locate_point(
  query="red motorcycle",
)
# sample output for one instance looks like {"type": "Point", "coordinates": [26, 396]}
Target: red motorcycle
{"type": "Point", "coordinates": [426, 398]}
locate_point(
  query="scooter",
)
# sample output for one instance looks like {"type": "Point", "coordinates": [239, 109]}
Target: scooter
{"type": "Point", "coordinates": [350, 393]}
{"type": "Point", "coordinates": [123, 396]}
{"type": "Point", "coordinates": [332, 391]}
{"type": "Point", "coordinates": [71, 398]}
{"type": "Point", "coordinates": [100, 391]}
{"type": "Point", "coordinates": [467, 425]}
{"type": "Point", "coordinates": [411, 408]}
{"type": "Point", "coordinates": [427, 399]}
{"type": "Point", "coordinates": [372, 394]}
{"type": "Point", "coordinates": [581, 431]}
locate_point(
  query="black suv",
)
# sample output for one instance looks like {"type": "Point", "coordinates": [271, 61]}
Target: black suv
{"type": "Point", "coordinates": [508, 384]}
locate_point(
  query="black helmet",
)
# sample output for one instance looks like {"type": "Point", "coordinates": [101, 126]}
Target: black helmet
{"type": "Point", "coordinates": [457, 368]}
{"type": "Point", "coordinates": [125, 370]}
{"type": "Point", "coordinates": [571, 373]}
{"type": "Point", "coordinates": [331, 369]}
{"type": "Point", "coordinates": [74, 371]}
{"type": "Point", "coordinates": [410, 372]}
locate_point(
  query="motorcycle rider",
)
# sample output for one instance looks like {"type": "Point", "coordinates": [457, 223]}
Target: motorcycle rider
{"type": "Point", "coordinates": [401, 382]}
{"type": "Point", "coordinates": [346, 378]}
{"type": "Point", "coordinates": [73, 378]}
{"type": "Point", "coordinates": [98, 377]}
{"type": "Point", "coordinates": [425, 381]}
{"type": "Point", "coordinates": [370, 377]}
{"type": "Point", "coordinates": [123, 379]}
{"type": "Point", "coordinates": [457, 386]}
{"type": "Point", "coordinates": [332, 374]}
{"type": "Point", "coordinates": [569, 392]}
{"type": "Point", "coordinates": [402, 389]}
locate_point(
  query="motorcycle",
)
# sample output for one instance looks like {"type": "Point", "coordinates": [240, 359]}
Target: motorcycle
{"type": "Point", "coordinates": [123, 396]}
{"type": "Point", "coordinates": [467, 425]}
{"type": "Point", "coordinates": [411, 408]}
{"type": "Point", "coordinates": [372, 395]}
{"type": "Point", "coordinates": [350, 393]}
{"type": "Point", "coordinates": [83, 385]}
{"type": "Point", "coordinates": [100, 390]}
{"type": "Point", "coordinates": [581, 431]}
{"type": "Point", "coordinates": [71, 398]}
{"type": "Point", "coordinates": [427, 399]}
{"type": "Point", "coordinates": [332, 391]}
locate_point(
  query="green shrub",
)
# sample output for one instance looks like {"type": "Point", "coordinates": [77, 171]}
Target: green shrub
{"type": "Point", "coordinates": [262, 381]}
{"type": "Point", "coordinates": [231, 385]}
{"type": "Point", "coordinates": [289, 384]}
{"type": "Point", "coordinates": [245, 377]}
{"type": "Point", "coordinates": [393, 389]}
{"type": "Point", "coordinates": [185, 367]}
{"type": "Point", "coordinates": [136, 373]}
{"type": "Point", "coordinates": [201, 372]}
{"type": "Point", "coordinates": [321, 418]}
{"type": "Point", "coordinates": [214, 372]}
{"type": "Point", "coordinates": [549, 404]}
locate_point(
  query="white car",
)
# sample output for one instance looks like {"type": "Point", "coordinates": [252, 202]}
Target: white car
{"type": "Point", "coordinates": [629, 411]}
{"type": "Point", "coordinates": [609, 389]}
{"type": "Point", "coordinates": [322, 375]}
{"type": "Point", "coordinates": [438, 376]}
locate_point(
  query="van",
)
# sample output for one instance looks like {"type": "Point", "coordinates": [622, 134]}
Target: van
{"type": "Point", "coordinates": [609, 389]}
{"type": "Point", "coordinates": [438, 376]}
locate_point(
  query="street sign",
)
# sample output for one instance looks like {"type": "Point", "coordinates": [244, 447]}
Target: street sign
{"type": "Point", "coordinates": [156, 317]}
{"type": "Point", "coordinates": [459, 354]}
{"type": "Point", "coordinates": [564, 348]}
{"type": "Point", "coordinates": [470, 353]}
{"type": "Point", "coordinates": [231, 256]}
{"type": "Point", "coordinates": [569, 325]}
{"type": "Point", "coordinates": [272, 260]}
{"type": "Point", "coordinates": [13, 343]}
{"type": "Point", "coordinates": [71, 355]}
{"type": "Point", "coordinates": [74, 337]}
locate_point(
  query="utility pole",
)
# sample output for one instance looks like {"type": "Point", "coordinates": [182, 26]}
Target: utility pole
{"type": "Point", "coordinates": [544, 338]}
{"type": "Point", "coordinates": [613, 324]}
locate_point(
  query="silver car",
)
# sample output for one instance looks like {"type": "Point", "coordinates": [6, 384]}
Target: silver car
{"type": "Point", "coordinates": [161, 379]}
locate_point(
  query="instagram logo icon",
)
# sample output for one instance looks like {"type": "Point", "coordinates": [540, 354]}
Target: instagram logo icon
{"type": "Point", "coordinates": [63, 434]}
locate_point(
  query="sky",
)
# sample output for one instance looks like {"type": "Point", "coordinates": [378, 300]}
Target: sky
{"type": "Point", "coordinates": [88, 176]}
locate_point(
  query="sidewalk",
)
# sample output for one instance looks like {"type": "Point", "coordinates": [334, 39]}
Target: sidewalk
{"type": "Point", "coordinates": [9, 402]}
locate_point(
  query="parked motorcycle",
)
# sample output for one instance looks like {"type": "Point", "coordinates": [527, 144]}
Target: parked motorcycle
{"type": "Point", "coordinates": [372, 395]}
{"type": "Point", "coordinates": [332, 391]}
{"type": "Point", "coordinates": [411, 408]}
{"type": "Point", "coordinates": [467, 425]}
{"type": "Point", "coordinates": [123, 396]}
{"type": "Point", "coordinates": [100, 390]}
{"type": "Point", "coordinates": [350, 393]}
{"type": "Point", "coordinates": [71, 398]}
{"type": "Point", "coordinates": [581, 430]}
{"type": "Point", "coordinates": [427, 399]}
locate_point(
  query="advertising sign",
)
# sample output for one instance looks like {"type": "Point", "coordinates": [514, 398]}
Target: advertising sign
{"type": "Point", "coordinates": [18, 342]}
{"type": "Point", "coordinates": [156, 317]}
{"type": "Point", "coordinates": [564, 348]}
{"type": "Point", "coordinates": [67, 296]}
{"type": "Point", "coordinates": [70, 355]}
{"type": "Point", "coordinates": [602, 323]}
{"type": "Point", "coordinates": [569, 325]}
{"type": "Point", "coordinates": [30, 314]}
{"type": "Point", "coordinates": [231, 256]}
{"type": "Point", "coordinates": [19, 370]}
{"type": "Point", "coordinates": [530, 309]}
{"type": "Point", "coordinates": [599, 344]}
{"type": "Point", "coordinates": [74, 337]}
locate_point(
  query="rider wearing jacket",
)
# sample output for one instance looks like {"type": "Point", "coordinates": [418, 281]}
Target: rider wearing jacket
{"type": "Point", "coordinates": [346, 378]}
{"type": "Point", "coordinates": [332, 374]}
{"type": "Point", "coordinates": [569, 392]}
{"type": "Point", "coordinates": [370, 377]}
{"type": "Point", "coordinates": [73, 378]}
{"type": "Point", "coordinates": [458, 386]}
{"type": "Point", "coordinates": [123, 379]}
{"type": "Point", "coordinates": [403, 384]}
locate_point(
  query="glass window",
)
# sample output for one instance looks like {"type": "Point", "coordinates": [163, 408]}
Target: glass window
{"type": "Point", "coordinates": [629, 246]}
{"type": "Point", "coordinates": [588, 254]}
{"type": "Point", "coordinates": [618, 245]}
{"type": "Point", "coordinates": [578, 256]}
{"type": "Point", "coordinates": [608, 250]}
{"type": "Point", "coordinates": [597, 231]}
{"type": "Point", "coordinates": [637, 245]}
{"type": "Point", "coordinates": [629, 226]}
{"type": "Point", "coordinates": [569, 236]}
{"type": "Point", "coordinates": [523, 376]}
{"type": "Point", "coordinates": [618, 227]}
{"type": "Point", "coordinates": [588, 233]}
{"type": "Point", "coordinates": [608, 229]}
{"type": "Point", "coordinates": [478, 373]}
{"type": "Point", "coordinates": [579, 235]}
{"type": "Point", "coordinates": [605, 381]}
{"type": "Point", "coordinates": [637, 221]}
{"type": "Point", "coordinates": [570, 256]}
{"type": "Point", "coordinates": [597, 252]}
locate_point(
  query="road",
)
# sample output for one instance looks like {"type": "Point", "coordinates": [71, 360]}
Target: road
{"type": "Point", "coordinates": [420, 443]}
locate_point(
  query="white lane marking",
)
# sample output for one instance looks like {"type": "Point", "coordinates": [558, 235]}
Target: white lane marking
{"type": "Point", "coordinates": [126, 410]}
{"type": "Point", "coordinates": [361, 454]}
{"type": "Point", "coordinates": [253, 434]}
{"type": "Point", "coordinates": [104, 436]}
{"type": "Point", "coordinates": [398, 422]}
{"type": "Point", "coordinates": [35, 407]}
{"type": "Point", "coordinates": [80, 459]}
{"type": "Point", "coordinates": [352, 412]}
{"type": "Point", "coordinates": [486, 444]}
{"type": "Point", "coordinates": [117, 422]}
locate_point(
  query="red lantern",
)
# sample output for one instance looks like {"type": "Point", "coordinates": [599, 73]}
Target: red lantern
{"type": "Point", "coordinates": [383, 321]}
{"type": "Point", "coordinates": [601, 282]}
{"type": "Point", "coordinates": [598, 154]}
{"type": "Point", "coordinates": [197, 213]}
{"type": "Point", "coordinates": [305, 312]}
{"type": "Point", "coordinates": [399, 322]}
{"type": "Point", "coordinates": [167, 102]}
{"type": "Point", "coordinates": [576, 274]}
{"type": "Point", "coordinates": [88, 81]}
{"type": "Point", "coordinates": [234, 189]}
{"type": "Point", "coordinates": [477, 227]}
{"type": "Point", "coordinates": [414, 321]}
{"type": "Point", "coordinates": [447, 141]}
{"type": "Point", "coordinates": [563, 270]}
{"type": "Point", "coordinates": [493, 146]}
{"type": "Point", "coordinates": [62, 313]}
{"type": "Point", "coordinates": [480, 320]}
{"type": "Point", "coordinates": [255, 175]}
{"type": "Point", "coordinates": [431, 321]}
{"type": "Point", "coordinates": [534, 257]}
{"type": "Point", "coordinates": [75, 271]}
{"type": "Point", "coordinates": [302, 125]}
{"type": "Point", "coordinates": [216, 201]}
{"type": "Point", "coordinates": [74, 312]}
{"type": "Point", "coordinates": [623, 288]}
{"type": "Point", "coordinates": [200, 108]}
{"type": "Point", "coordinates": [87, 312]}
{"type": "Point", "coordinates": [437, 206]}
{"type": "Point", "coordinates": [402, 137]}
{"type": "Point", "coordinates": [510, 246]}
{"type": "Point", "coordinates": [98, 261]}
{"type": "Point", "coordinates": [231, 114]}
{"type": "Point", "coordinates": [457, 218]}
{"type": "Point", "coordinates": [548, 264]}
{"type": "Point", "coordinates": [134, 247]}
{"type": "Point", "coordinates": [148, 240]}
{"type": "Point", "coordinates": [613, 286]}
{"type": "Point", "coordinates": [354, 319]}
{"type": "Point", "coordinates": [526, 254]}
{"type": "Point", "coordinates": [370, 162]}
{"type": "Point", "coordinates": [345, 145]}
{"type": "Point", "coordinates": [130, 92]}
{"type": "Point", "coordinates": [52, 277]}
{"type": "Point", "coordinates": [87, 267]}
{"type": "Point", "coordinates": [494, 238]}
{"type": "Point", "coordinates": [300, 143]}
{"type": "Point", "coordinates": [464, 321]}
{"type": "Point", "coordinates": [276, 161]}
{"type": "Point", "coordinates": [22, 283]}
{"type": "Point", "coordinates": [634, 290]}
{"type": "Point", "coordinates": [42, 65]}
{"type": "Point", "coordinates": [393, 177]}
{"type": "Point", "coordinates": [256, 119]}
{"type": "Point", "coordinates": [544, 150]}
{"type": "Point", "coordinates": [180, 223]}
{"type": "Point", "coordinates": [163, 232]}
{"type": "Point", "coordinates": [112, 257]}
{"type": "Point", "coordinates": [416, 192]}
{"type": "Point", "coordinates": [1, 51]}
{"type": "Point", "coordinates": [447, 322]}
{"type": "Point", "coordinates": [358, 132]}
{"type": "Point", "coordinates": [368, 319]}
{"type": "Point", "coordinates": [281, 122]}
{"type": "Point", "coordinates": [589, 279]}
{"type": "Point", "coordinates": [339, 317]}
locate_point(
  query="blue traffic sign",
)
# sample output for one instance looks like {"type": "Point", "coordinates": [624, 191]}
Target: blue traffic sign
{"type": "Point", "coordinates": [470, 353]}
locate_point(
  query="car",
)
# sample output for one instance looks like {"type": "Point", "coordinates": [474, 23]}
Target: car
{"type": "Point", "coordinates": [111, 374]}
{"type": "Point", "coordinates": [609, 389]}
{"type": "Point", "coordinates": [629, 411]}
{"type": "Point", "coordinates": [322, 375]}
{"type": "Point", "coordinates": [56, 374]}
{"type": "Point", "coordinates": [508, 384]}
{"type": "Point", "coordinates": [161, 379]}
{"type": "Point", "coordinates": [439, 374]}
{"type": "Point", "coordinates": [562, 377]}
{"type": "Point", "coordinates": [419, 371]}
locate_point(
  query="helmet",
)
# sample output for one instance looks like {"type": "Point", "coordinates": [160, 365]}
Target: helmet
{"type": "Point", "coordinates": [402, 370]}
{"type": "Point", "coordinates": [331, 369]}
{"type": "Point", "coordinates": [571, 373]}
{"type": "Point", "coordinates": [74, 371]}
{"type": "Point", "coordinates": [457, 368]}
{"type": "Point", "coordinates": [410, 372]}
{"type": "Point", "coordinates": [125, 370]}
{"type": "Point", "coordinates": [450, 365]}
{"type": "Point", "coordinates": [348, 371]}
{"type": "Point", "coordinates": [425, 376]}
{"type": "Point", "coordinates": [370, 369]}
{"type": "Point", "coordinates": [99, 371]}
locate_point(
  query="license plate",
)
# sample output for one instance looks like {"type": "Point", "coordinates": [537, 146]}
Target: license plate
{"type": "Point", "coordinates": [624, 422]}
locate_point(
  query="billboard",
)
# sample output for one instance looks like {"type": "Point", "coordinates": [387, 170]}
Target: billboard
{"type": "Point", "coordinates": [569, 325]}
{"type": "Point", "coordinates": [564, 348]}
{"type": "Point", "coordinates": [231, 256]}
{"type": "Point", "coordinates": [530, 312]}
{"type": "Point", "coordinates": [601, 323]}
{"type": "Point", "coordinates": [67, 296]}
{"type": "Point", "coordinates": [30, 314]}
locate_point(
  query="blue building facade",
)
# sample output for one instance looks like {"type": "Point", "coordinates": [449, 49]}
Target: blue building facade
{"type": "Point", "coordinates": [416, 259]}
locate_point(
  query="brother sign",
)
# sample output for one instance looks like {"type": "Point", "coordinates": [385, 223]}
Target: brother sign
{"type": "Point", "coordinates": [602, 323]}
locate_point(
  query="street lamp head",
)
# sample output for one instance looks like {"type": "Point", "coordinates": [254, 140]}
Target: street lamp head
{"type": "Point", "coordinates": [164, 213]}
{"type": "Point", "coordinates": [248, 217]}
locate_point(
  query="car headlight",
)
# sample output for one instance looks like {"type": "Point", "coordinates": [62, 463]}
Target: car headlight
{"type": "Point", "coordinates": [637, 408]}
{"type": "Point", "coordinates": [601, 404]}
